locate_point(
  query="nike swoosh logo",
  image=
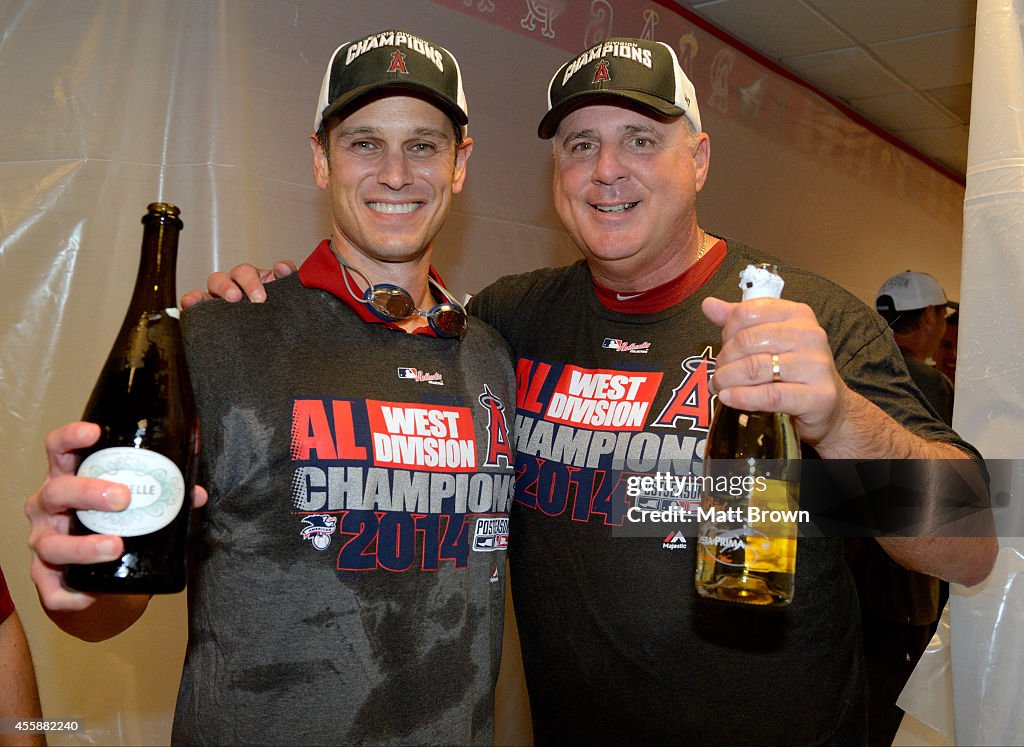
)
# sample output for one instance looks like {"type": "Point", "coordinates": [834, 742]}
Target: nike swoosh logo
{"type": "Point", "coordinates": [626, 297]}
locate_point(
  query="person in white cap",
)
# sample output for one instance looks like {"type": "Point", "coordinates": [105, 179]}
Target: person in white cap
{"type": "Point", "coordinates": [347, 578]}
{"type": "Point", "coordinates": [615, 356]}
{"type": "Point", "coordinates": [901, 608]}
{"type": "Point", "coordinates": [914, 306]}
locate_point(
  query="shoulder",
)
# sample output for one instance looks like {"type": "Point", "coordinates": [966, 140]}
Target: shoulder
{"type": "Point", "coordinates": [536, 281]}
{"type": "Point", "coordinates": [216, 331]}
{"type": "Point", "coordinates": [927, 374]}
{"type": "Point", "coordinates": [801, 284]}
{"type": "Point", "coordinates": [210, 316]}
{"type": "Point", "coordinates": [837, 310]}
{"type": "Point", "coordinates": [514, 297]}
{"type": "Point", "coordinates": [483, 335]}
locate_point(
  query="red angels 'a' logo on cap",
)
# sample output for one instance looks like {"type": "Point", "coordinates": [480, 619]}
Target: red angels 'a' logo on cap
{"type": "Point", "coordinates": [398, 63]}
{"type": "Point", "coordinates": [602, 73]}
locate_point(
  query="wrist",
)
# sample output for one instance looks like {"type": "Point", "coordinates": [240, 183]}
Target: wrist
{"type": "Point", "coordinates": [832, 439]}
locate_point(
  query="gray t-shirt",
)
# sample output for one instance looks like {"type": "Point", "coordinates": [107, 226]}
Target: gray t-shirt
{"type": "Point", "coordinates": [616, 644]}
{"type": "Point", "coordinates": [347, 579]}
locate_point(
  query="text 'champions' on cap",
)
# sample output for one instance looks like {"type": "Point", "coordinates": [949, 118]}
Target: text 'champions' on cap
{"type": "Point", "coordinates": [643, 71]}
{"type": "Point", "coordinates": [392, 59]}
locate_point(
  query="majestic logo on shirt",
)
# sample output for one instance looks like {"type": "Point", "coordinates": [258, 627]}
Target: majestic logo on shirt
{"type": "Point", "coordinates": [674, 541]}
{"type": "Point", "coordinates": [626, 347]}
{"type": "Point", "coordinates": [416, 375]}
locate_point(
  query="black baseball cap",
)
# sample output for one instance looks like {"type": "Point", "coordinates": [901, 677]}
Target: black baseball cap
{"type": "Point", "coordinates": [392, 59]}
{"type": "Point", "coordinates": [643, 71]}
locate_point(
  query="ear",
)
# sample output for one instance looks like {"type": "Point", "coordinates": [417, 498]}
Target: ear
{"type": "Point", "coordinates": [702, 159]}
{"type": "Point", "coordinates": [321, 168]}
{"type": "Point", "coordinates": [461, 158]}
{"type": "Point", "coordinates": [932, 317]}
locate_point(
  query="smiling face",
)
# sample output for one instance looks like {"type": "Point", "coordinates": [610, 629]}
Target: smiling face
{"type": "Point", "coordinates": [392, 168]}
{"type": "Point", "coordinates": [625, 187]}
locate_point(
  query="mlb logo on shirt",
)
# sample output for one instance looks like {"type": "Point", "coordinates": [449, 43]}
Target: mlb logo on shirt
{"type": "Point", "coordinates": [610, 343]}
{"type": "Point", "coordinates": [407, 373]}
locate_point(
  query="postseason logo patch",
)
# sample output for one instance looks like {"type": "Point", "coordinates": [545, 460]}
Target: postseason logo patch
{"type": "Point", "coordinates": [490, 534]}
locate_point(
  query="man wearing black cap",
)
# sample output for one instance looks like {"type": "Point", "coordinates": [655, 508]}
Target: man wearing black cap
{"type": "Point", "coordinates": [614, 361]}
{"type": "Point", "coordinates": [616, 621]}
{"type": "Point", "coordinates": [347, 581]}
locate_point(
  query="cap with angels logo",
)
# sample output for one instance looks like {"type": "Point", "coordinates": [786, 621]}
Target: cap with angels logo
{"type": "Point", "coordinates": [645, 72]}
{"type": "Point", "coordinates": [392, 60]}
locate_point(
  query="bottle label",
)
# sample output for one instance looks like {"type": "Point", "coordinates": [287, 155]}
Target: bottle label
{"type": "Point", "coordinates": [157, 485]}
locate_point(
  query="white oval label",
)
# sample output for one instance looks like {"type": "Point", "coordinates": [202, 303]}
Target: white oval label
{"type": "Point", "coordinates": [158, 490]}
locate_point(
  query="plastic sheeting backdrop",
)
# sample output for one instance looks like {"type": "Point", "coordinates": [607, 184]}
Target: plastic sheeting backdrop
{"type": "Point", "coordinates": [109, 105]}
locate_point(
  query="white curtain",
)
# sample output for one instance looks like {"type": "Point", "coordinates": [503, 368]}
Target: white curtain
{"type": "Point", "coordinates": [987, 629]}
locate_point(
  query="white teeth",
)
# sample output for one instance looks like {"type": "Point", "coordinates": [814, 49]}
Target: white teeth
{"type": "Point", "coordinates": [393, 208]}
{"type": "Point", "coordinates": [616, 208]}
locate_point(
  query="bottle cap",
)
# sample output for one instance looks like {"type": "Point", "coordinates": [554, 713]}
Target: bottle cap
{"type": "Point", "coordinates": [164, 212]}
{"type": "Point", "coordinates": [761, 281]}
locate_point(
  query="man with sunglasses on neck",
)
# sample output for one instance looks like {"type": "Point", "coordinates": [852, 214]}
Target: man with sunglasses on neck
{"type": "Point", "coordinates": [347, 575]}
{"type": "Point", "coordinates": [617, 645]}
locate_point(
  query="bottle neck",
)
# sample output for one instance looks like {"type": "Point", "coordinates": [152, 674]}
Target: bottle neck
{"type": "Point", "coordinates": [155, 284]}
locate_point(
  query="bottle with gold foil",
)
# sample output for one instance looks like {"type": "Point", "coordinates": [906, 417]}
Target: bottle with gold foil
{"type": "Point", "coordinates": [149, 435]}
{"type": "Point", "coordinates": [746, 549]}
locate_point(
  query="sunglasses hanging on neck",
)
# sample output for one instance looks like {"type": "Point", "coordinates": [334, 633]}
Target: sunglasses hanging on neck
{"type": "Point", "coordinates": [394, 304]}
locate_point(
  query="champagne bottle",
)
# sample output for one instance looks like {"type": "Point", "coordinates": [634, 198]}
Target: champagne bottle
{"type": "Point", "coordinates": [149, 433]}
{"type": "Point", "coordinates": [746, 549]}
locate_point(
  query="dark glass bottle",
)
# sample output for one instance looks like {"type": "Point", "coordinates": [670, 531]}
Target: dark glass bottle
{"type": "Point", "coordinates": [149, 436]}
{"type": "Point", "coordinates": [746, 549]}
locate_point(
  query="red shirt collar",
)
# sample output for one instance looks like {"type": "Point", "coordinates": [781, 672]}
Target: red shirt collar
{"type": "Point", "coordinates": [322, 270]}
{"type": "Point", "coordinates": [667, 294]}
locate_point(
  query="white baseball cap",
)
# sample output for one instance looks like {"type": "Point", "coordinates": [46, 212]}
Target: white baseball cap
{"type": "Point", "coordinates": [909, 291]}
